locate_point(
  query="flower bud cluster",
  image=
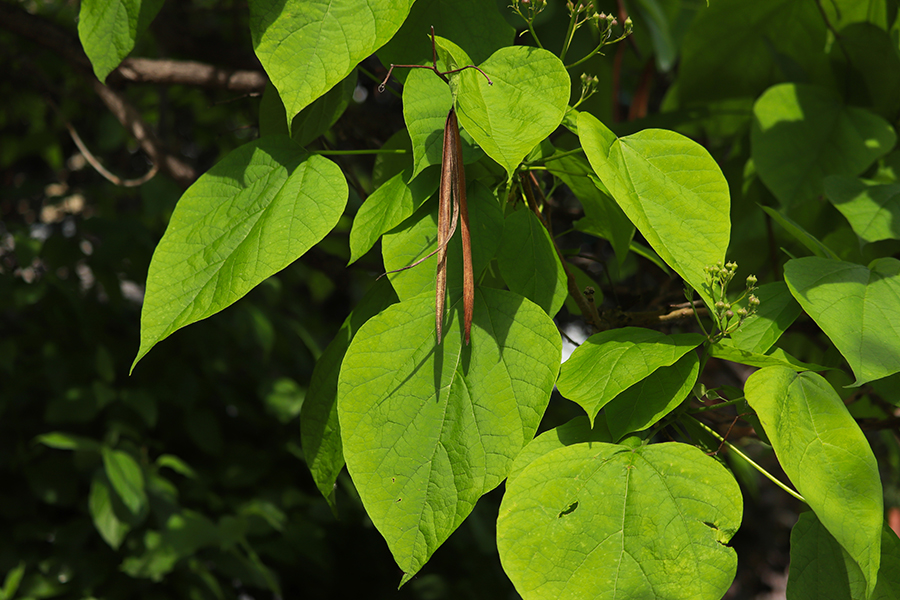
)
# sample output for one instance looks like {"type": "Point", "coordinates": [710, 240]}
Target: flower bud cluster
{"type": "Point", "coordinates": [727, 315]}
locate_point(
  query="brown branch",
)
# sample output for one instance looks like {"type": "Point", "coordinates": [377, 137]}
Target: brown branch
{"type": "Point", "coordinates": [185, 72]}
{"type": "Point", "coordinates": [89, 156]}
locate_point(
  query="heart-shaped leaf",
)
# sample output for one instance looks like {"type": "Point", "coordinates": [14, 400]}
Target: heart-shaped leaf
{"type": "Point", "coordinates": [427, 429]}
{"type": "Point", "coordinates": [801, 133]}
{"type": "Point", "coordinates": [856, 307]}
{"type": "Point", "coordinates": [873, 209]}
{"type": "Point", "coordinates": [609, 363]}
{"type": "Point", "coordinates": [254, 213]}
{"type": "Point", "coordinates": [308, 46]}
{"type": "Point", "coordinates": [825, 454]}
{"type": "Point", "coordinates": [667, 185]}
{"type": "Point", "coordinates": [608, 521]}
{"type": "Point", "coordinates": [576, 431]}
{"type": "Point", "coordinates": [525, 104]}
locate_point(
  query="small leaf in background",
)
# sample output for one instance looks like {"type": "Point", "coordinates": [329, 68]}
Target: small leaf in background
{"type": "Point", "coordinates": [529, 263]}
{"type": "Point", "coordinates": [609, 363]}
{"type": "Point", "coordinates": [776, 312]}
{"type": "Point", "coordinates": [387, 207]}
{"type": "Point", "coordinates": [825, 454]}
{"type": "Point", "coordinates": [871, 208]}
{"type": "Point", "coordinates": [311, 122]}
{"type": "Point", "coordinates": [476, 26]}
{"type": "Point", "coordinates": [822, 570]}
{"type": "Point", "coordinates": [610, 521]}
{"type": "Point", "coordinates": [428, 429]}
{"type": "Point", "coordinates": [127, 479]}
{"type": "Point", "coordinates": [796, 231]}
{"type": "Point", "coordinates": [858, 308]}
{"type": "Point", "coordinates": [653, 397]}
{"type": "Point", "coordinates": [666, 184]}
{"type": "Point", "coordinates": [525, 104]}
{"type": "Point", "coordinates": [254, 213]}
{"type": "Point", "coordinates": [68, 441]}
{"type": "Point", "coordinates": [801, 133]}
{"type": "Point", "coordinates": [775, 357]}
{"type": "Point", "coordinates": [320, 431]}
{"type": "Point", "coordinates": [308, 46]}
{"type": "Point", "coordinates": [100, 503]}
{"type": "Point", "coordinates": [108, 29]}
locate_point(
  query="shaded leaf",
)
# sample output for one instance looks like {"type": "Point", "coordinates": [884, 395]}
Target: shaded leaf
{"type": "Point", "coordinates": [776, 312]}
{"type": "Point", "coordinates": [108, 29]}
{"type": "Point", "coordinates": [100, 503]}
{"type": "Point", "coordinates": [127, 479]}
{"type": "Point", "coordinates": [871, 208]}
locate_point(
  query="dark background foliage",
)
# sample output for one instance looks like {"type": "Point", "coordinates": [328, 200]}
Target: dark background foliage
{"type": "Point", "coordinates": [212, 413]}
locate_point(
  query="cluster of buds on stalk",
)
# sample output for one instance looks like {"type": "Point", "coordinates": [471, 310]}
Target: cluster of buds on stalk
{"type": "Point", "coordinates": [532, 7]}
{"type": "Point", "coordinates": [728, 318]}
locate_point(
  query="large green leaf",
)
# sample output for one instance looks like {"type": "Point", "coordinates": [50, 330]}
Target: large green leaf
{"type": "Point", "coordinates": [387, 207]}
{"type": "Point", "coordinates": [856, 307]}
{"type": "Point", "coordinates": [525, 104]}
{"type": "Point", "coordinates": [427, 429]}
{"type": "Point", "coordinates": [529, 263]}
{"type": "Point", "coordinates": [251, 215]}
{"type": "Point", "coordinates": [825, 454]}
{"type": "Point", "coordinates": [605, 521]}
{"type": "Point", "coordinates": [756, 44]}
{"type": "Point", "coordinates": [320, 431]}
{"type": "Point", "coordinates": [801, 133]}
{"type": "Point", "coordinates": [417, 237]}
{"type": "Point", "coordinates": [822, 570]}
{"type": "Point", "coordinates": [667, 185]}
{"type": "Point", "coordinates": [873, 209]}
{"type": "Point", "coordinates": [475, 26]}
{"type": "Point", "coordinates": [777, 310]}
{"type": "Point", "coordinates": [308, 46]}
{"type": "Point", "coordinates": [653, 397]}
{"type": "Point", "coordinates": [108, 28]}
{"type": "Point", "coordinates": [608, 363]}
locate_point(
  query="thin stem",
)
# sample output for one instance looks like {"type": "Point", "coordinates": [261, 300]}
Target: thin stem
{"type": "Point", "coordinates": [570, 33]}
{"type": "Point", "coordinates": [371, 76]}
{"type": "Point", "coordinates": [360, 152]}
{"type": "Point", "coordinates": [588, 56]}
{"type": "Point", "coordinates": [768, 475]}
{"type": "Point", "coordinates": [715, 406]}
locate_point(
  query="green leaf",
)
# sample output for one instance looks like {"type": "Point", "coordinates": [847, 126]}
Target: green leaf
{"type": "Point", "coordinates": [856, 307]}
{"type": "Point", "coordinates": [525, 104]}
{"type": "Point", "coordinates": [474, 25]}
{"type": "Point", "coordinates": [602, 216]}
{"type": "Point", "coordinates": [68, 441]}
{"type": "Point", "coordinates": [809, 241]}
{"type": "Point", "coordinates": [100, 503]}
{"type": "Point", "coordinates": [776, 357]}
{"type": "Point", "coordinates": [307, 46]}
{"type": "Point", "coordinates": [428, 429]}
{"type": "Point", "coordinates": [868, 57]}
{"type": "Point", "coordinates": [576, 431]}
{"type": "Point", "coordinates": [608, 521]}
{"type": "Point", "coordinates": [609, 363]}
{"type": "Point", "coordinates": [251, 215]}
{"type": "Point", "coordinates": [825, 454]}
{"type": "Point", "coordinates": [529, 263]}
{"type": "Point", "coordinates": [127, 479]}
{"type": "Point", "coordinates": [320, 430]}
{"type": "Point", "coordinates": [653, 397]}
{"type": "Point", "coordinates": [11, 581]}
{"type": "Point", "coordinates": [417, 237]}
{"type": "Point", "coordinates": [801, 133]}
{"type": "Point", "coordinates": [822, 570]}
{"type": "Point", "coordinates": [108, 28]}
{"type": "Point", "coordinates": [387, 207]}
{"type": "Point", "coordinates": [776, 312]}
{"type": "Point", "coordinates": [312, 121]}
{"type": "Point", "coordinates": [176, 464]}
{"type": "Point", "coordinates": [667, 185]}
{"type": "Point", "coordinates": [872, 209]}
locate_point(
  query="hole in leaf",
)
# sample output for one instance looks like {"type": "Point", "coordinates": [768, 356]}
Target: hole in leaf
{"type": "Point", "coordinates": [570, 509]}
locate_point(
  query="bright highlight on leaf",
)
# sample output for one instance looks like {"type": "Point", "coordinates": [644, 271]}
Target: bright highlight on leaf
{"type": "Point", "coordinates": [428, 429]}
{"type": "Point", "coordinates": [605, 521]}
{"type": "Point", "coordinates": [254, 213]}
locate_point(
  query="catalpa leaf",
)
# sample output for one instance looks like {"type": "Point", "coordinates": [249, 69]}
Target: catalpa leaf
{"type": "Point", "coordinates": [667, 185]}
{"type": "Point", "coordinates": [858, 308]}
{"type": "Point", "coordinates": [108, 29]}
{"type": "Point", "coordinates": [825, 454]}
{"type": "Point", "coordinates": [254, 213]}
{"type": "Point", "coordinates": [428, 429]}
{"type": "Point", "coordinates": [308, 46]}
{"type": "Point", "coordinates": [606, 521]}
